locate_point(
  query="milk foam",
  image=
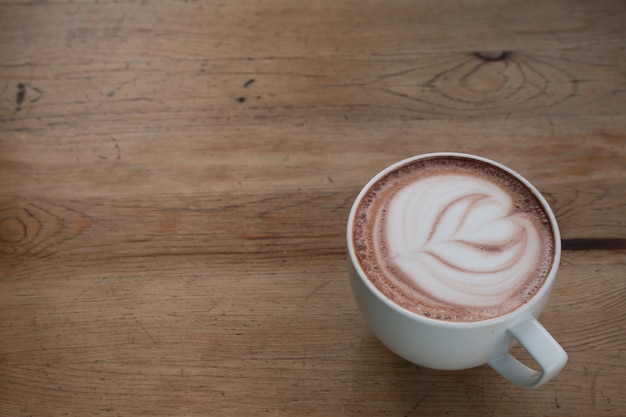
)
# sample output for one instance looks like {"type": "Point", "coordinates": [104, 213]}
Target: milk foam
{"type": "Point", "coordinates": [457, 239]}
{"type": "Point", "coordinates": [453, 239]}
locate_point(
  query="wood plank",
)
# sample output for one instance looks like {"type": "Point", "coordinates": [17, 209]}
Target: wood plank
{"type": "Point", "coordinates": [175, 179]}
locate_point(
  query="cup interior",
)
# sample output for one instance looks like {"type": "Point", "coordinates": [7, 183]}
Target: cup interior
{"type": "Point", "coordinates": [528, 306]}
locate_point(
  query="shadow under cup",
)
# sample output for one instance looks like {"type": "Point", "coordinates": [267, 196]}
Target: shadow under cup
{"type": "Point", "coordinates": [449, 344]}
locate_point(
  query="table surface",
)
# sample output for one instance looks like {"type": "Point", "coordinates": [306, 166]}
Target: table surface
{"type": "Point", "coordinates": [175, 179]}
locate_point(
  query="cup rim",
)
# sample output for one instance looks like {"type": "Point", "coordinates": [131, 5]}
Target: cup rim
{"type": "Point", "coordinates": [521, 311]}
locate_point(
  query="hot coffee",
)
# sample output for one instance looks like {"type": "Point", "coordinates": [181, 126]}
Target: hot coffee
{"type": "Point", "coordinates": [453, 238]}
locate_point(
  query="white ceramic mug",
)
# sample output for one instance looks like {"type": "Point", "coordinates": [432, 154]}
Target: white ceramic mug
{"type": "Point", "coordinates": [450, 345]}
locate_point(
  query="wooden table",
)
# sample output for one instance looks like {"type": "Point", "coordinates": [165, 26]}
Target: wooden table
{"type": "Point", "coordinates": [175, 179]}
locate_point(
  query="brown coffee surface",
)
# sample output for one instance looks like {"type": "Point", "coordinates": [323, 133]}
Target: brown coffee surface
{"type": "Point", "coordinates": [453, 238]}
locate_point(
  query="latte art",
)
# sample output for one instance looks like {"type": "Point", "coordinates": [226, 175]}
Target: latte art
{"type": "Point", "coordinates": [465, 245]}
{"type": "Point", "coordinates": [453, 238]}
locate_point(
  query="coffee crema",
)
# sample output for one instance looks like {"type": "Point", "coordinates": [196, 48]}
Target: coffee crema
{"type": "Point", "coordinates": [453, 238]}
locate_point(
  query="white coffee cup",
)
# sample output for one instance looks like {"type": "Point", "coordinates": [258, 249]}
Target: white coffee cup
{"type": "Point", "coordinates": [448, 345]}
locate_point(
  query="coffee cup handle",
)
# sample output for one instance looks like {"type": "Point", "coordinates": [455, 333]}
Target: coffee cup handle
{"type": "Point", "coordinates": [541, 346]}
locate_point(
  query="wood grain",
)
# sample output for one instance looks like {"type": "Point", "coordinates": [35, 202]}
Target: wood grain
{"type": "Point", "coordinates": [175, 179]}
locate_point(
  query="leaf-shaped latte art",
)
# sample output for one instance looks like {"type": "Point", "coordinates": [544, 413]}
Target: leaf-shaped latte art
{"type": "Point", "coordinates": [459, 240]}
